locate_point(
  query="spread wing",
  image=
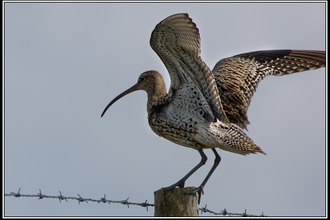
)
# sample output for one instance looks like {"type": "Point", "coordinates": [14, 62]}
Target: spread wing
{"type": "Point", "coordinates": [237, 77]}
{"type": "Point", "coordinates": [176, 40]}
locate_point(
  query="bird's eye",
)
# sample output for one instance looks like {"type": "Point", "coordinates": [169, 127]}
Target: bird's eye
{"type": "Point", "coordinates": [141, 79]}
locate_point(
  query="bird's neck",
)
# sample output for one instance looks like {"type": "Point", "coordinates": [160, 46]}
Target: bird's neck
{"type": "Point", "coordinates": [156, 95]}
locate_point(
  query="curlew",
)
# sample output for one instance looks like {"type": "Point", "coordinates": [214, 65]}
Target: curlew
{"type": "Point", "coordinates": [201, 107]}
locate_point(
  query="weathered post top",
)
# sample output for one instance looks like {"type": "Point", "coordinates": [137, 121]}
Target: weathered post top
{"type": "Point", "coordinates": [175, 203]}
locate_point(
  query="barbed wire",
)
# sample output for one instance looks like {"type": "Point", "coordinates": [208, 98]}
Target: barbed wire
{"type": "Point", "coordinates": [224, 212]}
{"type": "Point", "coordinates": [124, 202]}
{"type": "Point", "coordinates": [80, 199]}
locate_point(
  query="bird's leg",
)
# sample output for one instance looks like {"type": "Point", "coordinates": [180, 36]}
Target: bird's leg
{"type": "Point", "coordinates": [199, 189]}
{"type": "Point", "coordinates": [181, 182]}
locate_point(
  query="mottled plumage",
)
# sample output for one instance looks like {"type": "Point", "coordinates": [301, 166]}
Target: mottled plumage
{"type": "Point", "coordinates": [237, 77]}
{"type": "Point", "coordinates": [201, 105]}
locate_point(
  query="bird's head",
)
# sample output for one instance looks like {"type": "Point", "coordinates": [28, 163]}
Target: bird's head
{"type": "Point", "coordinates": [150, 81]}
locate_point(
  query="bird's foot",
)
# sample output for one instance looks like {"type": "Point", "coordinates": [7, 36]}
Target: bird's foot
{"type": "Point", "coordinates": [180, 184]}
{"type": "Point", "coordinates": [198, 190]}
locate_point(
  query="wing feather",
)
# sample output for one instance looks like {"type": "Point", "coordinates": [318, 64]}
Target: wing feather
{"type": "Point", "coordinates": [176, 40]}
{"type": "Point", "coordinates": [237, 77]}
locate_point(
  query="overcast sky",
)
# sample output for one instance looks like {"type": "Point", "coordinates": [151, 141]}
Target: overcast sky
{"type": "Point", "coordinates": [64, 62]}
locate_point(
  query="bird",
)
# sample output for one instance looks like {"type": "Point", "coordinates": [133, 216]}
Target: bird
{"type": "Point", "coordinates": [204, 108]}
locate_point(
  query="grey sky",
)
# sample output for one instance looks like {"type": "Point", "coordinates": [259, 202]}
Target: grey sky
{"type": "Point", "coordinates": [64, 62]}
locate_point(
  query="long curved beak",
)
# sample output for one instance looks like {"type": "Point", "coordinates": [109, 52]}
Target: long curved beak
{"type": "Point", "coordinates": [132, 89]}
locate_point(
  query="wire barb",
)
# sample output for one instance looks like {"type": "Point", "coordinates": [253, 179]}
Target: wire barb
{"type": "Point", "coordinates": [40, 194]}
{"type": "Point", "coordinates": [17, 194]}
{"type": "Point", "coordinates": [61, 197]}
{"type": "Point", "coordinates": [145, 204]}
{"type": "Point", "coordinates": [81, 199]}
{"type": "Point", "coordinates": [125, 202]}
{"type": "Point", "coordinates": [104, 200]}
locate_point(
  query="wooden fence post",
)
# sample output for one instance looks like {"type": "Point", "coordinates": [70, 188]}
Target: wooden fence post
{"type": "Point", "coordinates": [175, 203]}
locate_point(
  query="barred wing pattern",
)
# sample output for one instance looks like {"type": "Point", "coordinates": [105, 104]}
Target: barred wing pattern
{"type": "Point", "coordinates": [237, 77]}
{"type": "Point", "coordinates": [176, 40]}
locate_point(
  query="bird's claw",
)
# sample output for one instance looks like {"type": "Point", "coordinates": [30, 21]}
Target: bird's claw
{"type": "Point", "coordinates": [199, 190]}
{"type": "Point", "coordinates": [180, 184]}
